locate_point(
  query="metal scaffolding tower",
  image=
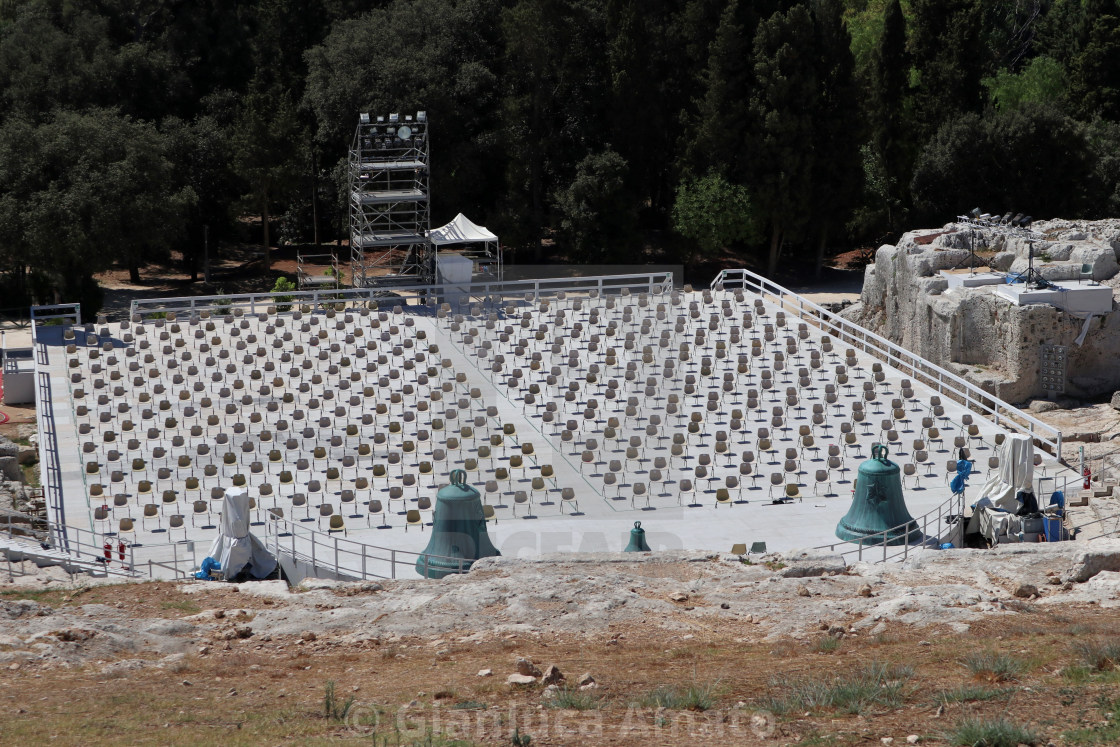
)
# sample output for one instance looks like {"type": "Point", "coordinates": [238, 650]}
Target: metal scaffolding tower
{"type": "Point", "coordinates": [389, 201]}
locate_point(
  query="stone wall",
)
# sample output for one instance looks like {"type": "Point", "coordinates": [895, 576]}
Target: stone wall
{"type": "Point", "coordinates": [984, 337]}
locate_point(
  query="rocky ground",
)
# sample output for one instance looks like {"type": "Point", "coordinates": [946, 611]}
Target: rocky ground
{"type": "Point", "coordinates": [681, 648]}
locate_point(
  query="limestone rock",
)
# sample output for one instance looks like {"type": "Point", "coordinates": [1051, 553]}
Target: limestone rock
{"type": "Point", "coordinates": [308, 635]}
{"type": "Point", "coordinates": [1115, 401]}
{"type": "Point", "coordinates": [1043, 405]}
{"type": "Point", "coordinates": [10, 469]}
{"type": "Point", "coordinates": [913, 739]}
{"type": "Point", "coordinates": [527, 668]}
{"type": "Point", "coordinates": [521, 679]}
{"type": "Point", "coordinates": [552, 675]}
{"type": "Point", "coordinates": [585, 679]}
{"type": "Point", "coordinates": [865, 590]}
{"type": "Point", "coordinates": [803, 591]}
{"type": "Point", "coordinates": [485, 672]}
{"type": "Point", "coordinates": [1001, 262]}
{"type": "Point", "coordinates": [812, 563]}
{"type": "Point", "coordinates": [678, 596]}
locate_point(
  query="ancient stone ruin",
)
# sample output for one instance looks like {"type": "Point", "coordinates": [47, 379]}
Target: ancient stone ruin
{"type": "Point", "coordinates": [981, 335]}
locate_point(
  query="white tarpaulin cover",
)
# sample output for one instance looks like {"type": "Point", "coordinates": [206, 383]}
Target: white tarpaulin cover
{"type": "Point", "coordinates": [1016, 472]}
{"type": "Point", "coordinates": [461, 230]}
{"type": "Point", "coordinates": [234, 547]}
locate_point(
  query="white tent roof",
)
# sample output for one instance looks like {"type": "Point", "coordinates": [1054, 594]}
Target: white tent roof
{"type": "Point", "coordinates": [461, 230]}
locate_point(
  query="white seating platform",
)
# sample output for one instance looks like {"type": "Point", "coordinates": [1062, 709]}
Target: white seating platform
{"type": "Point", "coordinates": [573, 416]}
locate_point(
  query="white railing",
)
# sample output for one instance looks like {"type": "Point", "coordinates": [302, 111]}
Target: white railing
{"type": "Point", "coordinates": [933, 376]}
{"type": "Point", "coordinates": [490, 292]}
{"type": "Point", "coordinates": [342, 557]}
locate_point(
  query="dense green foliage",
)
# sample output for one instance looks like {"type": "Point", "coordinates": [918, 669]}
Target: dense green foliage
{"type": "Point", "coordinates": [774, 128]}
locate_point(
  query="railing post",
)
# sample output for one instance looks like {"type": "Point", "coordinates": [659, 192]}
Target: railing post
{"type": "Point", "coordinates": [363, 561]}
{"type": "Point", "coordinates": [393, 563]}
{"type": "Point", "coordinates": [336, 571]}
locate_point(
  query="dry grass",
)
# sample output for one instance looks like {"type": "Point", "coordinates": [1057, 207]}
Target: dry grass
{"type": "Point", "coordinates": [409, 697]}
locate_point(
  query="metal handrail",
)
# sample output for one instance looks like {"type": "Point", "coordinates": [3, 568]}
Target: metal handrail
{"type": "Point", "coordinates": [657, 282]}
{"type": "Point", "coordinates": [327, 551]}
{"type": "Point", "coordinates": [932, 375]}
{"type": "Point", "coordinates": [952, 507]}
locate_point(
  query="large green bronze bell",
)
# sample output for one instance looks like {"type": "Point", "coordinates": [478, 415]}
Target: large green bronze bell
{"type": "Point", "coordinates": [878, 510]}
{"type": "Point", "coordinates": [458, 531]}
{"type": "Point", "coordinates": [637, 539]}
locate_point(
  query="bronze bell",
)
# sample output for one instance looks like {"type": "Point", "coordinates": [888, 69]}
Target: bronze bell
{"type": "Point", "coordinates": [878, 511]}
{"type": "Point", "coordinates": [637, 539]}
{"type": "Point", "coordinates": [458, 531]}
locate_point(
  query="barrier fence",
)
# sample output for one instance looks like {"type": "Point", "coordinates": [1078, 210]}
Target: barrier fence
{"type": "Point", "coordinates": [466, 293]}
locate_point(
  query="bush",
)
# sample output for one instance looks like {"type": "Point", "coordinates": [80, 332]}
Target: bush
{"type": "Point", "coordinates": [283, 286]}
{"type": "Point", "coordinates": [692, 698]}
{"type": "Point", "coordinates": [990, 733]}
{"type": "Point", "coordinates": [574, 699]}
{"type": "Point", "coordinates": [993, 666]}
{"type": "Point", "coordinates": [877, 684]}
{"type": "Point", "coordinates": [1100, 656]}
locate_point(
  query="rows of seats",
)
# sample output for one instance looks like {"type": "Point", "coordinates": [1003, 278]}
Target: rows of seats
{"type": "Point", "coordinates": [319, 416]}
{"type": "Point", "coordinates": [350, 417]}
{"type": "Point", "coordinates": [702, 398]}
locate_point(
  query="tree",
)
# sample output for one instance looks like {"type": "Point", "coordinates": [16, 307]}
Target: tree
{"type": "Point", "coordinates": [713, 213]}
{"type": "Point", "coordinates": [648, 90]}
{"type": "Point", "coordinates": [889, 86]}
{"type": "Point", "coordinates": [1031, 159]}
{"type": "Point", "coordinates": [948, 60]}
{"type": "Point", "coordinates": [596, 215]}
{"type": "Point", "coordinates": [783, 106]}
{"type": "Point", "coordinates": [555, 100]}
{"type": "Point", "coordinates": [85, 190]}
{"type": "Point", "coordinates": [837, 176]}
{"type": "Point", "coordinates": [428, 55]}
{"type": "Point", "coordinates": [724, 119]}
{"type": "Point", "coordinates": [269, 144]}
{"type": "Point", "coordinates": [1095, 70]}
{"type": "Point", "coordinates": [1042, 81]}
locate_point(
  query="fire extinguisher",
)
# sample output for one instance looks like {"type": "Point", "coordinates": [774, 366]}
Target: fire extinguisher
{"type": "Point", "coordinates": [108, 547]}
{"type": "Point", "coordinates": [1087, 475]}
{"type": "Point", "coordinates": [120, 549]}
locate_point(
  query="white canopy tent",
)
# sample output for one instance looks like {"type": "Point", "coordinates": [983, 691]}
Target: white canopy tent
{"type": "Point", "coordinates": [234, 547]}
{"type": "Point", "coordinates": [461, 230]}
{"type": "Point", "coordinates": [487, 252]}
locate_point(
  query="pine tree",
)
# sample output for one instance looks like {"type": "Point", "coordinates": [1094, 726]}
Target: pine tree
{"type": "Point", "coordinates": [783, 108]}
{"type": "Point", "coordinates": [837, 175]}
{"type": "Point", "coordinates": [887, 101]}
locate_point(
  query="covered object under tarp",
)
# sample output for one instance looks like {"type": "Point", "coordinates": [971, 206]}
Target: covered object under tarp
{"type": "Point", "coordinates": [998, 495]}
{"type": "Point", "coordinates": [234, 547]}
